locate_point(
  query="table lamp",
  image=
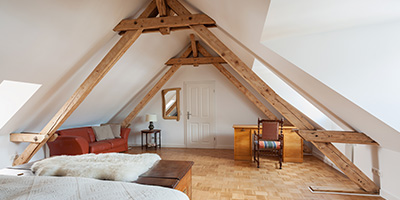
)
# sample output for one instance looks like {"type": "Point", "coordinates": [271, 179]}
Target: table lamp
{"type": "Point", "coordinates": [151, 118]}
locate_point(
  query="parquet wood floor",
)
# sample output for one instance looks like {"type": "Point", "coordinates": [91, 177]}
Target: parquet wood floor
{"type": "Point", "coordinates": [217, 176]}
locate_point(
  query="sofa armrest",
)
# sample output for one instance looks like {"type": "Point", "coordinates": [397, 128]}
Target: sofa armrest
{"type": "Point", "coordinates": [125, 133]}
{"type": "Point", "coordinates": [68, 145]}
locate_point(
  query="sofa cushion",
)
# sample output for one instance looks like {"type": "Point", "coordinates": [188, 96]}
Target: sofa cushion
{"type": "Point", "coordinates": [85, 132]}
{"type": "Point", "coordinates": [116, 129]}
{"type": "Point", "coordinates": [103, 132]}
{"type": "Point", "coordinates": [116, 142]}
{"type": "Point", "coordinates": [97, 147]}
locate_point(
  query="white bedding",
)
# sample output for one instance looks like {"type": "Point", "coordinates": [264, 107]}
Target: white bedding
{"type": "Point", "coordinates": [44, 187]}
{"type": "Point", "coordinates": [105, 166]}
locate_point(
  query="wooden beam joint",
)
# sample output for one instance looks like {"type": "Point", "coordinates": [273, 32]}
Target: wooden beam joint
{"type": "Point", "coordinates": [162, 8]}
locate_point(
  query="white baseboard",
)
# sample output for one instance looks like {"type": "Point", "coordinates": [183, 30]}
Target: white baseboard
{"type": "Point", "coordinates": [184, 146]}
{"type": "Point", "coordinates": [173, 145]}
{"type": "Point", "coordinates": [162, 145]}
{"type": "Point", "coordinates": [224, 147]}
{"type": "Point", "coordinates": [388, 195]}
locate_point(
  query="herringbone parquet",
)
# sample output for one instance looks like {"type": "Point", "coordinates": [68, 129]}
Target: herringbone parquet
{"type": "Point", "coordinates": [217, 176]}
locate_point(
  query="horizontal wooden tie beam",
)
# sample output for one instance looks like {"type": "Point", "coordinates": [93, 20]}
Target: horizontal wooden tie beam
{"type": "Point", "coordinates": [350, 137]}
{"type": "Point", "coordinates": [172, 29]}
{"type": "Point", "coordinates": [163, 22]}
{"type": "Point", "coordinates": [31, 137]}
{"type": "Point", "coordinates": [27, 137]}
{"type": "Point", "coordinates": [195, 61]}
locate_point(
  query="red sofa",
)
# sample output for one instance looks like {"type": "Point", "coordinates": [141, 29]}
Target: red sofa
{"type": "Point", "coordinates": [77, 141]}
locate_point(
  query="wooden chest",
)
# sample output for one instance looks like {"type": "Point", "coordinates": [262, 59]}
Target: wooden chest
{"type": "Point", "coordinates": [171, 174]}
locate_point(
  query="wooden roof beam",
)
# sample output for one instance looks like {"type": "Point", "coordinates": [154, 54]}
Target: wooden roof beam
{"type": "Point", "coordinates": [161, 7]}
{"type": "Point", "coordinates": [30, 137]}
{"type": "Point", "coordinates": [350, 137]}
{"type": "Point", "coordinates": [194, 47]}
{"type": "Point", "coordinates": [27, 137]}
{"type": "Point", "coordinates": [347, 167]}
{"type": "Point", "coordinates": [174, 28]}
{"type": "Point", "coordinates": [195, 61]}
{"type": "Point", "coordinates": [163, 22]}
{"type": "Point", "coordinates": [163, 10]}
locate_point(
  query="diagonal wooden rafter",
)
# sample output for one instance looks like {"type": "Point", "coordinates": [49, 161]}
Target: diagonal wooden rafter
{"type": "Point", "coordinates": [85, 88]}
{"type": "Point", "coordinates": [347, 167]}
{"type": "Point", "coordinates": [154, 90]}
{"type": "Point", "coordinates": [287, 110]}
{"type": "Point", "coordinates": [238, 85]}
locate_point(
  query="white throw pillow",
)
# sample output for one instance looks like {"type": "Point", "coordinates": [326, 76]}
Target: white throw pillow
{"type": "Point", "coordinates": [103, 132]}
{"type": "Point", "coordinates": [116, 129]}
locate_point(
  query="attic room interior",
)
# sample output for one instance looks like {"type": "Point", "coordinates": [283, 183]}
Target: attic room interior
{"type": "Point", "coordinates": [176, 88]}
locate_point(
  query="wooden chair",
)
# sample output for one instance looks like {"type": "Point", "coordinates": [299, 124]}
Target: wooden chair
{"type": "Point", "coordinates": [268, 140]}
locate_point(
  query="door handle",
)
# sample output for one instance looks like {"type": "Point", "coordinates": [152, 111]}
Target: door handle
{"type": "Point", "coordinates": [188, 115]}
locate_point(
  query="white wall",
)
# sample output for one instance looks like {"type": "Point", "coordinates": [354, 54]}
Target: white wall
{"type": "Point", "coordinates": [232, 107]}
{"type": "Point", "coordinates": [361, 64]}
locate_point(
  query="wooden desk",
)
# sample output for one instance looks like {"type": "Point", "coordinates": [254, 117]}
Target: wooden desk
{"type": "Point", "coordinates": [155, 131]}
{"type": "Point", "coordinates": [243, 146]}
{"type": "Point", "coordinates": [171, 174]}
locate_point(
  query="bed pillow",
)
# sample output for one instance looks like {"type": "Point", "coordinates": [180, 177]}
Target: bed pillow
{"type": "Point", "coordinates": [103, 132]}
{"type": "Point", "coordinates": [116, 129]}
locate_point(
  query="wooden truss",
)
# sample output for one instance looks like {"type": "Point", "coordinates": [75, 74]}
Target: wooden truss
{"type": "Point", "coordinates": [174, 16]}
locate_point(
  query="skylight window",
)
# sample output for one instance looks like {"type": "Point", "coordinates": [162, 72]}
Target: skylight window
{"type": "Point", "coordinates": [13, 95]}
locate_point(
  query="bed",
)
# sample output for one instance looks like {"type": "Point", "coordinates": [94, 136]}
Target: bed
{"type": "Point", "coordinates": [49, 187]}
{"type": "Point", "coordinates": [173, 176]}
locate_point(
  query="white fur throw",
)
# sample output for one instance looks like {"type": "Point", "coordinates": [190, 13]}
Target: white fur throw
{"type": "Point", "coordinates": [107, 166]}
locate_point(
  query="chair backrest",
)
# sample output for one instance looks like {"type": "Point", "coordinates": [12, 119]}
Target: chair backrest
{"type": "Point", "coordinates": [270, 129]}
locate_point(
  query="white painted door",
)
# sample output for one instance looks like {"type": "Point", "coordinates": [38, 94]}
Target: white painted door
{"type": "Point", "coordinates": [200, 114]}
